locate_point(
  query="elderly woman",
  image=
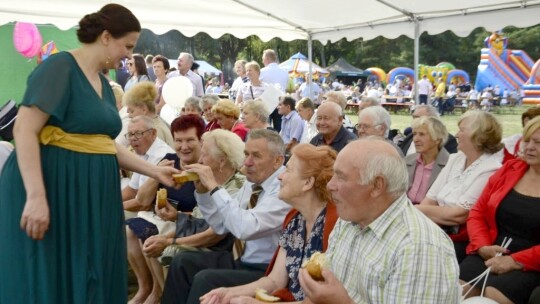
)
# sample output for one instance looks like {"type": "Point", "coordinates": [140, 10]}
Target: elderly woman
{"type": "Point", "coordinates": [140, 101]}
{"type": "Point", "coordinates": [509, 207]}
{"type": "Point", "coordinates": [223, 153]}
{"type": "Point", "coordinates": [429, 137]}
{"type": "Point", "coordinates": [206, 104]}
{"type": "Point", "coordinates": [255, 114]}
{"type": "Point", "coordinates": [193, 106]}
{"type": "Point", "coordinates": [305, 230]}
{"type": "Point", "coordinates": [137, 71]}
{"type": "Point", "coordinates": [458, 186]}
{"type": "Point", "coordinates": [253, 88]}
{"type": "Point", "coordinates": [227, 115]}
{"type": "Point", "coordinates": [306, 110]}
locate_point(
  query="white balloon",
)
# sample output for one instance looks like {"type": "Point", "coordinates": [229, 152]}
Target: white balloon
{"type": "Point", "coordinates": [271, 96]}
{"type": "Point", "coordinates": [478, 300]}
{"type": "Point", "coordinates": [169, 113]}
{"type": "Point", "coordinates": [176, 90]}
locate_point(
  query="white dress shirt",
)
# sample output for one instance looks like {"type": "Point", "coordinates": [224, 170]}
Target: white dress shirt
{"type": "Point", "coordinates": [310, 129]}
{"type": "Point", "coordinates": [260, 227]}
{"type": "Point", "coordinates": [274, 75]}
{"type": "Point", "coordinates": [155, 153]}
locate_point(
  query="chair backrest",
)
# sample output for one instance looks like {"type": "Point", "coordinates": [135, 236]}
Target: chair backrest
{"type": "Point", "coordinates": [8, 114]}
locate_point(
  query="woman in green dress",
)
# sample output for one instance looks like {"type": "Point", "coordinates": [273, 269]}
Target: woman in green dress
{"type": "Point", "coordinates": [62, 228]}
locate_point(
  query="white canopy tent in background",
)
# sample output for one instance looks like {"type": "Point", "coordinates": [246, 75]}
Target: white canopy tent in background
{"type": "Point", "coordinates": [289, 20]}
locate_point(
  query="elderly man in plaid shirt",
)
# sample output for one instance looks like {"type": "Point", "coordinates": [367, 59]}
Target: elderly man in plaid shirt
{"type": "Point", "coordinates": [382, 250]}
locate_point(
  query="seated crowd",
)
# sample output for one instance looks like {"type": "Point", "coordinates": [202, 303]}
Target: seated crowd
{"type": "Point", "coordinates": [405, 219]}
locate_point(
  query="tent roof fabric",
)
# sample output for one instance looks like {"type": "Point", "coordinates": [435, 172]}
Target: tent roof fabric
{"type": "Point", "coordinates": [290, 20]}
{"type": "Point", "coordinates": [342, 68]}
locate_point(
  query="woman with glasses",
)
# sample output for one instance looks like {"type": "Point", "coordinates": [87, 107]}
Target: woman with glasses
{"type": "Point", "coordinates": [206, 104]}
{"type": "Point", "coordinates": [137, 71]}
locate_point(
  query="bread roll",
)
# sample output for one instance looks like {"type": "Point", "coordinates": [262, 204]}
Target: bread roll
{"type": "Point", "coordinates": [315, 265]}
{"type": "Point", "coordinates": [262, 295]}
{"type": "Point", "coordinates": [185, 177]}
{"type": "Point", "coordinates": [161, 198]}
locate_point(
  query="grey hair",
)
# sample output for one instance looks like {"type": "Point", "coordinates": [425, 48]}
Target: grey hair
{"type": "Point", "coordinates": [436, 128]}
{"type": "Point", "coordinates": [380, 115]}
{"type": "Point", "coordinates": [371, 101]}
{"type": "Point", "coordinates": [390, 166]}
{"type": "Point", "coordinates": [431, 110]}
{"type": "Point", "coordinates": [259, 108]}
{"type": "Point", "coordinates": [228, 145]}
{"type": "Point", "coordinates": [188, 55]}
{"type": "Point", "coordinates": [211, 99]}
{"type": "Point", "coordinates": [275, 143]}
{"type": "Point", "coordinates": [147, 121]}
{"type": "Point", "coordinates": [195, 102]}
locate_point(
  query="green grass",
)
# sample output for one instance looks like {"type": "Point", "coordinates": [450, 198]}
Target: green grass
{"type": "Point", "coordinates": [510, 119]}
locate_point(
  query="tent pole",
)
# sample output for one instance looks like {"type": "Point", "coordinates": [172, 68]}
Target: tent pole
{"type": "Point", "coordinates": [310, 51]}
{"type": "Point", "coordinates": [416, 56]}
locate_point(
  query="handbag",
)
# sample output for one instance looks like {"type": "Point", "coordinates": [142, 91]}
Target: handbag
{"type": "Point", "coordinates": [187, 225]}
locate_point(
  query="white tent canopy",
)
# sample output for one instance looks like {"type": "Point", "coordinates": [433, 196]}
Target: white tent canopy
{"type": "Point", "coordinates": [289, 20]}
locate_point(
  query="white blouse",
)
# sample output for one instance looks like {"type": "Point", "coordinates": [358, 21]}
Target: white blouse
{"type": "Point", "coordinates": [456, 185]}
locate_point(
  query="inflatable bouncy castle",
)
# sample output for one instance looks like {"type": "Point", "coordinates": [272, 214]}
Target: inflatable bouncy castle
{"type": "Point", "coordinates": [509, 69]}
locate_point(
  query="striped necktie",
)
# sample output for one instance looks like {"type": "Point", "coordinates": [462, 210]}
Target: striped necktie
{"type": "Point", "coordinates": [239, 245]}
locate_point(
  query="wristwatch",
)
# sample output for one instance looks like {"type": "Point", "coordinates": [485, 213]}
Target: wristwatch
{"type": "Point", "coordinates": [215, 190]}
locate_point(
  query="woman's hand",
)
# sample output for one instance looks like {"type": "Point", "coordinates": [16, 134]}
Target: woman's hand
{"type": "Point", "coordinates": [35, 217]}
{"type": "Point", "coordinates": [154, 245]}
{"type": "Point", "coordinates": [503, 264]}
{"type": "Point", "coordinates": [207, 181]}
{"type": "Point", "coordinates": [163, 174]}
{"type": "Point", "coordinates": [167, 213]}
{"type": "Point", "coordinates": [488, 252]}
{"type": "Point", "coordinates": [217, 296]}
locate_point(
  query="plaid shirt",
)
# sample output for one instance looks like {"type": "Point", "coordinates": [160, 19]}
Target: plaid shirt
{"type": "Point", "coordinates": [401, 257]}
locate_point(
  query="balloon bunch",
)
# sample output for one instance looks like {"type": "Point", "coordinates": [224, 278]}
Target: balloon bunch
{"type": "Point", "coordinates": [27, 41]}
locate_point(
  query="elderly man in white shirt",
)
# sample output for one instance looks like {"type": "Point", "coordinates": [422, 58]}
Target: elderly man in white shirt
{"type": "Point", "coordinates": [254, 215]}
{"type": "Point", "coordinates": [142, 136]}
{"type": "Point", "coordinates": [185, 61]}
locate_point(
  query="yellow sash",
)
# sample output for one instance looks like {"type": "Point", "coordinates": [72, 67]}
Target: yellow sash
{"type": "Point", "coordinates": [85, 143]}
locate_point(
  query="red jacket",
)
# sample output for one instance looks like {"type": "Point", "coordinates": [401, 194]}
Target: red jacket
{"type": "Point", "coordinates": [481, 223]}
{"type": "Point", "coordinates": [330, 222]}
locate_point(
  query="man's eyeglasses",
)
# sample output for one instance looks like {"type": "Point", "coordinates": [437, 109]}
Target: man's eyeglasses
{"type": "Point", "coordinates": [365, 127]}
{"type": "Point", "coordinates": [137, 134]}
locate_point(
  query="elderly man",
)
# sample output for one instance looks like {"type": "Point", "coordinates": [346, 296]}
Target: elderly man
{"type": "Point", "coordinates": [292, 125]}
{"type": "Point", "coordinates": [369, 102]}
{"type": "Point", "coordinates": [375, 121]}
{"type": "Point", "coordinates": [340, 99]}
{"type": "Point", "coordinates": [142, 136]}
{"type": "Point", "coordinates": [381, 250]}
{"type": "Point", "coordinates": [419, 111]}
{"type": "Point", "coordinates": [254, 215]}
{"type": "Point", "coordinates": [185, 62]}
{"type": "Point", "coordinates": [274, 75]}
{"type": "Point", "coordinates": [330, 126]}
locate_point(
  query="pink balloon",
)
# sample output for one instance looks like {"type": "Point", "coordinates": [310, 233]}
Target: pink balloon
{"type": "Point", "coordinates": [27, 39]}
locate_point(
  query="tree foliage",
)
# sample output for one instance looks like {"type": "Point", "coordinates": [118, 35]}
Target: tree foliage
{"type": "Point", "coordinates": [463, 53]}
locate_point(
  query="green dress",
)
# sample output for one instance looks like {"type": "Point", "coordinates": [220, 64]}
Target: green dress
{"type": "Point", "coordinates": [82, 258]}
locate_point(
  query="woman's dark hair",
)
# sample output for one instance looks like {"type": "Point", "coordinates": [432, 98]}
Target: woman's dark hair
{"type": "Point", "coordinates": [162, 59]}
{"type": "Point", "coordinates": [140, 64]}
{"type": "Point", "coordinates": [113, 18]}
{"type": "Point", "coordinates": [186, 122]}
